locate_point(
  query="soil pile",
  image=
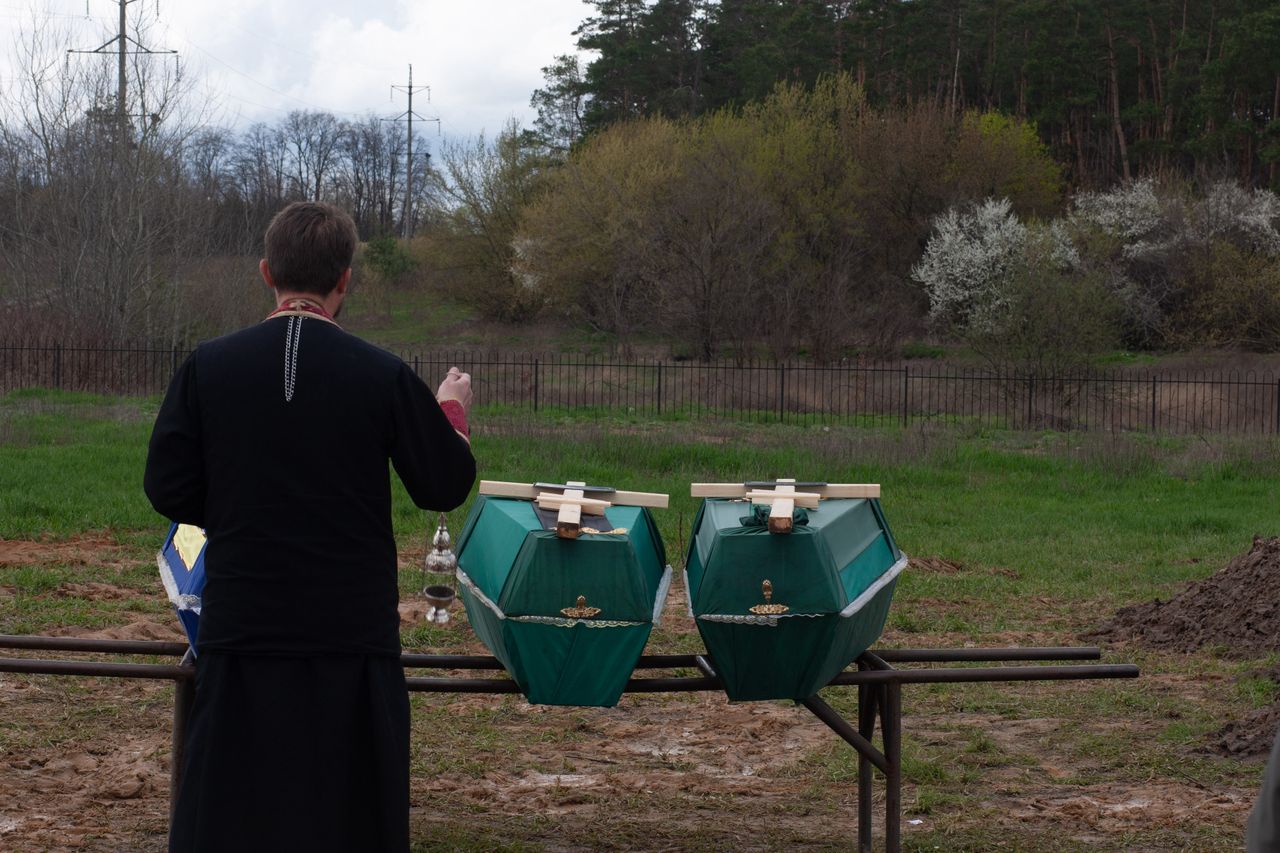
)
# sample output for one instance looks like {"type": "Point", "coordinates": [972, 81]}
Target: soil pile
{"type": "Point", "coordinates": [1251, 736]}
{"type": "Point", "coordinates": [1237, 609]}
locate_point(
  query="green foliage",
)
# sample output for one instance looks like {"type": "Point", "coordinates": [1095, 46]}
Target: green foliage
{"type": "Point", "coordinates": [1049, 321]}
{"type": "Point", "coordinates": [387, 259]}
{"type": "Point", "coordinates": [483, 188]}
{"type": "Point", "coordinates": [770, 226]}
{"type": "Point", "coordinates": [998, 155]}
{"type": "Point", "coordinates": [584, 240]}
{"type": "Point", "coordinates": [920, 349]}
{"type": "Point", "coordinates": [1234, 300]}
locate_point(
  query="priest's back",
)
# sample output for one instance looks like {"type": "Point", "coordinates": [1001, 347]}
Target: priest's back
{"type": "Point", "coordinates": [277, 440]}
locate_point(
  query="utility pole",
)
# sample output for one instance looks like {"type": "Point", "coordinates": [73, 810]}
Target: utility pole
{"type": "Point", "coordinates": [122, 42]}
{"type": "Point", "coordinates": [408, 116]}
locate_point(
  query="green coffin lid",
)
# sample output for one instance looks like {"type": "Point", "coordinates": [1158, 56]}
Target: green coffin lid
{"type": "Point", "coordinates": [516, 577]}
{"type": "Point", "coordinates": [836, 575]}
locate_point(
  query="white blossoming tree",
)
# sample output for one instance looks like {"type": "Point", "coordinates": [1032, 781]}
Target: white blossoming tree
{"type": "Point", "coordinates": [968, 262]}
{"type": "Point", "coordinates": [1246, 218]}
{"type": "Point", "coordinates": [1019, 294]}
{"type": "Point", "coordinates": [1171, 268]}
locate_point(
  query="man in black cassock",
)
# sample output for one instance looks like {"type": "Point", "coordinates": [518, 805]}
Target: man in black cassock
{"type": "Point", "coordinates": [1262, 832]}
{"type": "Point", "coordinates": [276, 441]}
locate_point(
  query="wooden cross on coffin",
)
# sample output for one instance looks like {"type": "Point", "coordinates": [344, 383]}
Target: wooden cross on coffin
{"type": "Point", "coordinates": [782, 498]}
{"type": "Point", "coordinates": [571, 500]}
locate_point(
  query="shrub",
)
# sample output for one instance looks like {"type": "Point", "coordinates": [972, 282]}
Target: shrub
{"type": "Point", "coordinates": [968, 261]}
{"type": "Point", "coordinates": [1052, 322]}
{"type": "Point", "coordinates": [387, 259]}
{"type": "Point", "coordinates": [1162, 254]}
{"type": "Point", "coordinates": [1017, 294]}
{"type": "Point", "coordinates": [791, 223]}
{"type": "Point", "coordinates": [1236, 301]}
{"type": "Point", "coordinates": [483, 187]}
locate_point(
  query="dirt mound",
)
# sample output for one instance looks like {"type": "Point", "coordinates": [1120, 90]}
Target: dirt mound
{"type": "Point", "coordinates": [1250, 736]}
{"type": "Point", "coordinates": [1236, 608]}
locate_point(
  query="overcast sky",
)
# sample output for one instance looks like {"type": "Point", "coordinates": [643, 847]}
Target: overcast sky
{"type": "Point", "coordinates": [260, 59]}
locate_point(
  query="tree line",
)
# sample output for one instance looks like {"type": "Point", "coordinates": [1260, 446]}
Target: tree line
{"type": "Point", "coordinates": [1116, 88]}
{"type": "Point", "coordinates": [814, 223]}
{"type": "Point", "coordinates": [787, 226]}
{"type": "Point", "coordinates": [828, 213]}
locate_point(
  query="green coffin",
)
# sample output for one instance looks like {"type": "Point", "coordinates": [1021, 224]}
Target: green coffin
{"type": "Point", "coordinates": [836, 574]}
{"type": "Point", "coordinates": [516, 576]}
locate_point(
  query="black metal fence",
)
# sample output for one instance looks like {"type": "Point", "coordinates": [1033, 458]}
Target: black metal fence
{"type": "Point", "coordinates": [1177, 402]}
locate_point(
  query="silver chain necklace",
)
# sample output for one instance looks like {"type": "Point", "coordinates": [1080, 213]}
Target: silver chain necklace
{"type": "Point", "coordinates": [292, 336]}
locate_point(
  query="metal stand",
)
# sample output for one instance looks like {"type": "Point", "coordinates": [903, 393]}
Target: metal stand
{"type": "Point", "coordinates": [879, 693]}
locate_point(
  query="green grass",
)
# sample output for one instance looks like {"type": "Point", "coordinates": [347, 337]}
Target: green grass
{"type": "Point", "coordinates": [1027, 515]}
{"type": "Point", "coordinates": [1050, 533]}
{"type": "Point", "coordinates": [404, 318]}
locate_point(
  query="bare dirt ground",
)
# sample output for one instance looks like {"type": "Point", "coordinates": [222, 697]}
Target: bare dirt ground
{"type": "Point", "coordinates": [84, 763]}
{"type": "Point", "coordinates": [95, 549]}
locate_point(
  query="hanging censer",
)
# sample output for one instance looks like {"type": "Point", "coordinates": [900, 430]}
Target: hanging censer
{"type": "Point", "coordinates": [440, 560]}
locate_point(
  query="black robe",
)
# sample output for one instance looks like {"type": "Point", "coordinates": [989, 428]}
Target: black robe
{"type": "Point", "coordinates": [1262, 832]}
{"type": "Point", "coordinates": [276, 441]}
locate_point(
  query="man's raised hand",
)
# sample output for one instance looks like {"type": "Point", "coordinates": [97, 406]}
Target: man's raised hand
{"type": "Point", "coordinates": [456, 386]}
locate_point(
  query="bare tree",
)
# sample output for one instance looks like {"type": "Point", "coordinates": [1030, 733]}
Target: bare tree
{"type": "Point", "coordinates": [313, 140]}
{"type": "Point", "coordinates": [99, 215]}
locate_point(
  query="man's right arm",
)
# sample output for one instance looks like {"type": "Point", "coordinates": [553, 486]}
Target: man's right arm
{"type": "Point", "coordinates": [433, 458]}
{"type": "Point", "coordinates": [175, 478]}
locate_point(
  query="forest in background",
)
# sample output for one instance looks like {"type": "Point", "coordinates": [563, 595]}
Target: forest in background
{"type": "Point", "coordinates": [790, 179]}
{"type": "Point", "coordinates": [1115, 88]}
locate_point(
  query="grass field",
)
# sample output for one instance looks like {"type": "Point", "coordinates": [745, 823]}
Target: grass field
{"type": "Point", "coordinates": [1037, 538]}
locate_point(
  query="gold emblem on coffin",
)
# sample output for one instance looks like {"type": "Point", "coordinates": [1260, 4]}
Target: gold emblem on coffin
{"type": "Point", "coordinates": [188, 540]}
{"type": "Point", "coordinates": [582, 611]}
{"type": "Point", "coordinates": [769, 608]}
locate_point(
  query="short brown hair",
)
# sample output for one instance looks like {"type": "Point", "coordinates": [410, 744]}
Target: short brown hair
{"type": "Point", "coordinates": [309, 245]}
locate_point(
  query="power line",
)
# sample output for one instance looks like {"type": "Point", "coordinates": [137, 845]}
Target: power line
{"type": "Point", "coordinates": [257, 82]}
{"type": "Point", "coordinates": [408, 116]}
{"type": "Point", "coordinates": [122, 39]}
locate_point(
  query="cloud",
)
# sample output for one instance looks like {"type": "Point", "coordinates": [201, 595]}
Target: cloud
{"type": "Point", "coordinates": [482, 59]}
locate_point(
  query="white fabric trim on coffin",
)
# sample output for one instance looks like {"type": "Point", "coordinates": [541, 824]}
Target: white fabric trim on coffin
{"type": "Point", "coordinates": [664, 586]}
{"type": "Point", "coordinates": [565, 622]}
{"type": "Point", "coordinates": [849, 610]}
{"type": "Point", "coordinates": [177, 599]}
{"type": "Point", "coordinates": [475, 590]}
{"type": "Point", "coordinates": [558, 621]}
{"type": "Point", "coordinates": [688, 596]}
{"type": "Point", "coordinates": [753, 619]}
{"type": "Point", "coordinates": [870, 592]}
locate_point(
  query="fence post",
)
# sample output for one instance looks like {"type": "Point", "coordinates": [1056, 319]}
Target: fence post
{"type": "Point", "coordinates": [1031, 396]}
{"type": "Point", "coordinates": [537, 370]}
{"type": "Point", "coordinates": [57, 366]}
{"type": "Point", "coordinates": [906, 392]}
{"type": "Point", "coordinates": [659, 387]}
{"type": "Point", "coordinates": [782, 392]}
{"type": "Point", "coordinates": [1153, 403]}
{"type": "Point", "coordinates": [1278, 407]}
{"type": "Point", "coordinates": [417, 366]}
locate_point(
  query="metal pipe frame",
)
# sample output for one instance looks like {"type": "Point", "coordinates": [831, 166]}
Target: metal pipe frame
{"type": "Point", "coordinates": [879, 693]}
